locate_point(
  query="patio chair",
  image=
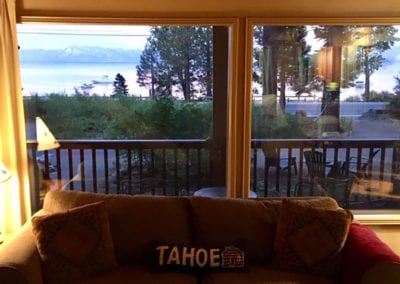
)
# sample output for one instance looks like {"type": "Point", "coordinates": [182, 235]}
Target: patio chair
{"type": "Point", "coordinates": [83, 179]}
{"type": "Point", "coordinates": [317, 165]}
{"type": "Point", "coordinates": [338, 187]}
{"type": "Point", "coordinates": [318, 168]}
{"type": "Point", "coordinates": [76, 179]}
{"type": "Point", "coordinates": [273, 159]}
{"type": "Point", "coordinates": [359, 170]}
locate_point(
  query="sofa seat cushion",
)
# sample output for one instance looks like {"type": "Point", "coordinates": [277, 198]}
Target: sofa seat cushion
{"type": "Point", "coordinates": [140, 274]}
{"type": "Point", "coordinates": [257, 274]}
{"type": "Point", "coordinates": [222, 221]}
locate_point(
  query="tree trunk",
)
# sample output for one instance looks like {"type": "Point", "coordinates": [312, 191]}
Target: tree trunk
{"type": "Point", "coordinates": [209, 71]}
{"type": "Point", "coordinates": [269, 71]}
{"type": "Point", "coordinates": [153, 83]}
{"type": "Point", "coordinates": [282, 91]}
{"type": "Point", "coordinates": [367, 74]}
{"type": "Point", "coordinates": [330, 108]}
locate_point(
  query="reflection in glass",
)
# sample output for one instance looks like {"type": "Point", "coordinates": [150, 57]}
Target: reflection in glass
{"type": "Point", "coordinates": [335, 90]}
{"type": "Point", "coordinates": [133, 107]}
{"type": "Point", "coordinates": [326, 66]}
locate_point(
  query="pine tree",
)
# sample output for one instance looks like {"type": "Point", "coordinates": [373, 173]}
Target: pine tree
{"type": "Point", "coordinates": [281, 59]}
{"type": "Point", "coordinates": [147, 69]}
{"type": "Point", "coordinates": [177, 57]}
{"type": "Point", "coordinates": [380, 39]}
{"type": "Point", "coordinates": [120, 87]}
{"type": "Point", "coordinates": [369, 41]}
{"type": "Point", "coordinates": [396, 88]}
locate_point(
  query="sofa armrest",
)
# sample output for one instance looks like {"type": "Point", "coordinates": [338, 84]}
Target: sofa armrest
{"type": "Point", "coordinates": [383, 272]}
{"type": "Point", "coordinates": [20, 260]}
{"type": "Point", "coordinates": [367, 257]}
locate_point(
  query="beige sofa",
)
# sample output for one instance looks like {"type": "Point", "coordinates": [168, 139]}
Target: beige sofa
{"type": "Point", "coordinates": [138, 225]}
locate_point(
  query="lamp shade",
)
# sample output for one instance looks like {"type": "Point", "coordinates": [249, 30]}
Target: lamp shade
{"type": "Point", "coordinates": [44, 137]}
{"type": "Point", "coordinates": [4, 173]}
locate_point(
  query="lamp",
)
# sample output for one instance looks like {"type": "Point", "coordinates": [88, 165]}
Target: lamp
{"type": "Point", "coordinates": [44, 137]}
{"type": "Point", "coordinates": [39, 133]}
{"type": "Point", "coordinates": [4, 175]}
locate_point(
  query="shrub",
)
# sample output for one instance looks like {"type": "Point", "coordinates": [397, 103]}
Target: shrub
{"type": "Point", "coordinates": [393, 108]}
{"type": "Point", "coordinates": [122, 117]}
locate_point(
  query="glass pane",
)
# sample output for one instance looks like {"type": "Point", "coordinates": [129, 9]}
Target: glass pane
{"type": "Point", "coordinates": [131, 107]}
{"type": "Point", "coordinates": [325, 113]}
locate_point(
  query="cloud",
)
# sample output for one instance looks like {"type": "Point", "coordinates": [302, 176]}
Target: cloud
{"type": "Point", "coordinates": [56, 36]}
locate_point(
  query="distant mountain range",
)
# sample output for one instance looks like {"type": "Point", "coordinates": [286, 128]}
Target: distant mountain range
{"type": "Point", "coordinates": [80, 54]}
{"type": "Point", "coordinates": [89, 54]}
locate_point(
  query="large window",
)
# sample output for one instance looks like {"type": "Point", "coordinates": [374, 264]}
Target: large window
{"type": "Point", "coordinates": [325, 113]}
{"type": "Point", "coordinates": [141, 97]}
{"type": "Point", "coordinates": [152, 105]}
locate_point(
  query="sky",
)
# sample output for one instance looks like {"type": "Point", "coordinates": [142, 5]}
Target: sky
{"type": "Point", "coordinates": [59, 36]}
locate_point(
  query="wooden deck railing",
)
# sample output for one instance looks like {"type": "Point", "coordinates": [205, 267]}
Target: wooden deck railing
{"type": "Point", "coordinates": [167, 167]}
{"type": "Point", "coordinates": [179, 167]}
{"type": "Point", "coordinates": [384, 164]}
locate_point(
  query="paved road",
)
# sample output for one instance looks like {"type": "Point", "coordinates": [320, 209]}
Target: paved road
{"type": "Point", "coordinates": [347, 109]}
{"type": "Point", "coordinates": [375, 128]}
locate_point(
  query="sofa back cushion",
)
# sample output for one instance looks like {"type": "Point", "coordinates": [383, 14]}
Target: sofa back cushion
{"type": "Point", "coordinates": [57, 201]}
{"type": "Point", "coordinates": [320, 202]}
{"type": "Point", "coordinates": [136, 222]}
{"type": "Point", "coordinates": [222, 221]}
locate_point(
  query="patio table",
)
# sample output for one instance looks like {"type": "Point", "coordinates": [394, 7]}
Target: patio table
{"type": "Point", "coordinates": [375, 187]}
{"type": "Point", "coordinates": [217, 191]}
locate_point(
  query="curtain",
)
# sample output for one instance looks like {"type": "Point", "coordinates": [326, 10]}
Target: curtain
{"type": "Point", "coordinates": [15, 206]}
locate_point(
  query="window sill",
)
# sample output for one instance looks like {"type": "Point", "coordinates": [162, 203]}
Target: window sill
{"type": "Point", "coordinates": [384, 218]}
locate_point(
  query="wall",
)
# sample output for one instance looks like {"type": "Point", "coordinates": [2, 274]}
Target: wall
{"type": "Point", "coordinates": [210, 8]}
{"type": "Point", "coordinates": [390, 234]}
{"type": "Point", "coordinates": [364, 11]}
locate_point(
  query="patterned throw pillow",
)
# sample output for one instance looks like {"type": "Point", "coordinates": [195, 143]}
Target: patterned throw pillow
{"type": "Point", "coordinates": [74, 244]}
{"type": "Point", "coordinates": [171, 257]}
{"type": "Point", "coordinates": [310, 240]}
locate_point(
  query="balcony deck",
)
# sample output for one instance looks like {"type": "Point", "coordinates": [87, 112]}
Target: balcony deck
{"type": "Point", "coordinates": [180, 167]}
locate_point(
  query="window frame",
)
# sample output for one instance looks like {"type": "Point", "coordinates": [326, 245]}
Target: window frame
{"type": "Point", "coordinates": [368, 217]}
{"type": "Point", "coordinates": [234, 162]}
{"type": "Point", "coordinates": [239, 85]}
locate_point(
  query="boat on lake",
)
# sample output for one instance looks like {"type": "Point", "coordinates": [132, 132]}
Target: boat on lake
{"type": "Point", "coordinates": [104, 80]}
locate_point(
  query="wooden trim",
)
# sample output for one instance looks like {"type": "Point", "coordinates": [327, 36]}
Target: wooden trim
{"type": "Point", "coordinates": [220, 107]}
{"type": "Point", "coordinates": [239, 111]}
{"type": "Point", "coordinates": [128, 21]}
{"type": "Point", "coordinates": [325, 21]}
{"type": "Point", "coordinates": [215, 21]}
{"type": "Point", "coordinates": [209, 8]}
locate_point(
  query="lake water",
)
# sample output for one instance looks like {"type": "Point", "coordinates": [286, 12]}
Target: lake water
{"type": "Point", "coordinates": [64, 78]}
